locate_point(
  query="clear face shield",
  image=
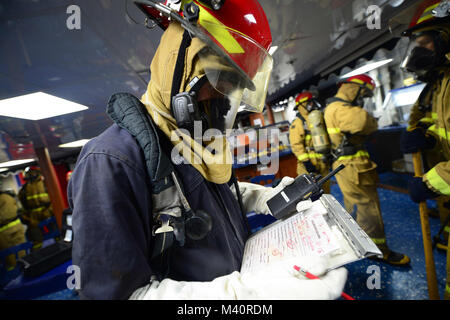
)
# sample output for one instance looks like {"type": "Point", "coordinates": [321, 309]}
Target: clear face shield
{"type": "Point", "coordinates": [311, 105]}
{"type": "Point", "coordinates": [241, 76]}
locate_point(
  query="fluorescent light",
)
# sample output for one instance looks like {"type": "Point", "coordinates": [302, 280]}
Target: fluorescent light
{"type": "Point", "coordinates": [74, 144]}
{"type": "Point", "coordinates": [3, 169]}
{"type": "Point", "coordinates": [37, 106]}
{"type": "Point", "coordinates": [272, 50]}
{"type": "Point", "coordinates": [366, 68]}
{"type": "Point", "coordinates": [13, 163]}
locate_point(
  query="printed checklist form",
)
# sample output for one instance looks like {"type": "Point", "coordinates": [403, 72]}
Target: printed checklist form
{"type": "Point", "coordinates": [309, 233]}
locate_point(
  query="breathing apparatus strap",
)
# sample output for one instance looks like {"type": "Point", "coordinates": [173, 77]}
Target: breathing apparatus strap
{"type": "Point", "coordinates": [424, 103]}
{"type": "Point", "coordinates": [241, 204]}
{"type": "Point", "coordinates": [305, 124]}
{"type": "Point", "coordinates": [336, 99]}
{"type": "Point", "coordinates": [179, 66]}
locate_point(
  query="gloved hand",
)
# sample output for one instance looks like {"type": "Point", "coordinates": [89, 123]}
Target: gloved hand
{"type": "Point", "coordinates": [310, 167]}
{"type": "Point", "coordinates": [415, 140]}
{"type": "Point", "coordinates": [255, 196]}
{"type": "Point", "coordinates": [418, 190]}
{"type": "Point", "coordinates": [277, 281]}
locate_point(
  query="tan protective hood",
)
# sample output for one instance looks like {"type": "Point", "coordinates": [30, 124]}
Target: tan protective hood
{"type": "Point", "coordinates": [214, 166]}
{"type": "Point", "coordinates": [348, 92]}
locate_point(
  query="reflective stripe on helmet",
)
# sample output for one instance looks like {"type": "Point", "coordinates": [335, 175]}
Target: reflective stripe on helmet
{"type": "Point", "coordinates": [427, 14]}
{"type": "Point", "coordinates": [219, 32]}
{"type": "Point", "coordinates": [358, 81]}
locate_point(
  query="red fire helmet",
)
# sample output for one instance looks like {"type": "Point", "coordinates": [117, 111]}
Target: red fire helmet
{"type": "Point", "coordinates": [428, 13]}
{"type": "Point", "coordinates": [303, 97]}
{"type": "Point", "coordinates": [362, 80]}
{"type": "Point", "coordinates": [237, 31]}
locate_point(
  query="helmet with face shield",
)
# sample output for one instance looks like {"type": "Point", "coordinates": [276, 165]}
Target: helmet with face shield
{"type": "Point", "coordinates": [32, 173]}
{"type": "Point", "coordinates": [307, 101]}
{"type": "Point", "coordinates": [366, 87]}
{"type": "Point", "coordinates": [235, 59]}
{"type": "Point", "coordinates": [429, 33]}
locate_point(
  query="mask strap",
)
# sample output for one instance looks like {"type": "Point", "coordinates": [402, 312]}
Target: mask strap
{"type": "Point", "coordinates": [179, 66]}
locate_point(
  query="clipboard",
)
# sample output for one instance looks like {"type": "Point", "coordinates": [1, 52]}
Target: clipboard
{"type": "Point", "coordinates": [326, 229]}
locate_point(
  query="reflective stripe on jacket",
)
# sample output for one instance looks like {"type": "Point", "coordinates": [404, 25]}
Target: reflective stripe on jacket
{"type": "Point", "coordinates": [438, 177]}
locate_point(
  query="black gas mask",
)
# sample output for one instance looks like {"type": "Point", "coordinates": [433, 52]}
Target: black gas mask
{"type": "Point", "coordinates": [216, 110]}
{"type": "Point", "coordinates": [209, 114]}
{"type": "Point", "coordinates": [312, 105]}
{"type": "Point", "coordinates": [361, 97]}
{"type": "Point", "coordinates": [421, 60]}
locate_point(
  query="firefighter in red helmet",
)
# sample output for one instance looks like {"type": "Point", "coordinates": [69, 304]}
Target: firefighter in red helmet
{"type": "Point", "coordinates": [302, 140]}
{"type": "Point", "coordinates": [349, 125]}
{"type": "Point", "coordinates": [155, 210]}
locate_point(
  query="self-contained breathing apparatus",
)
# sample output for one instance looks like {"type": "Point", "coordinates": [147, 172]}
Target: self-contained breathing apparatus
{"type": "Point", "coordinates": [316, 128]}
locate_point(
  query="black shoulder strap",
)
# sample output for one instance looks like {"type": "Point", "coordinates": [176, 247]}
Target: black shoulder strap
{"type": "Point", "coordinates": [305, 124]}
{"type": "Point", "coordinates": [130, 114]}
{"type": "Point", "coordinates": [234, 181]}
{"type": "Point", "coordinates": [424, 99]}
{"type": "Point", "coordinates": [179, 65]}
{"type": "Point", "coordinates": [298, 115]}
{"type": "Point", "coordinates": [335, 99]}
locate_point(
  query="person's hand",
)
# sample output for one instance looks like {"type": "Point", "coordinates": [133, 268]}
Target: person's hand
{"type": "Point", "coordinates": [415, 140]}
{"type": "Point", "coordinates": [255, 196]}
{"type": "Point", "coordinates": [418, 190]}
{"type": "Point", "coordinates": [277, 281]}
{"type": "Point", "coordinates": [281, 281]}
{"type": "Point", "coordinates": [261, 204]}
{"type": "Point", "coordinates": [310, 167]}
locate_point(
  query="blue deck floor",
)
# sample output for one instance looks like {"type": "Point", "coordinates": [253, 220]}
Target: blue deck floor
{"type": "Point", "coordinates": [403, 232]}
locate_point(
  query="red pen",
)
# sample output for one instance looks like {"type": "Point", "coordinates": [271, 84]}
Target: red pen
{"type": "Point", "coordinates": [311, 276]}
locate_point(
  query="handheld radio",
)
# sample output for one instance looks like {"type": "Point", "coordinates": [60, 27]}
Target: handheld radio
{"type": "Point", "coordinates": [304, 187]}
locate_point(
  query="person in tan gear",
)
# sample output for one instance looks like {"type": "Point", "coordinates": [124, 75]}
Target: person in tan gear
{"type": "Point", "coordinates": [36, 204]}
{"type": "Point", "coordinates": [300, 139]}
{"type": "Point", "coordinates": [12, 231]}
{"type": "Point", "coordinates": [349, 125]}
